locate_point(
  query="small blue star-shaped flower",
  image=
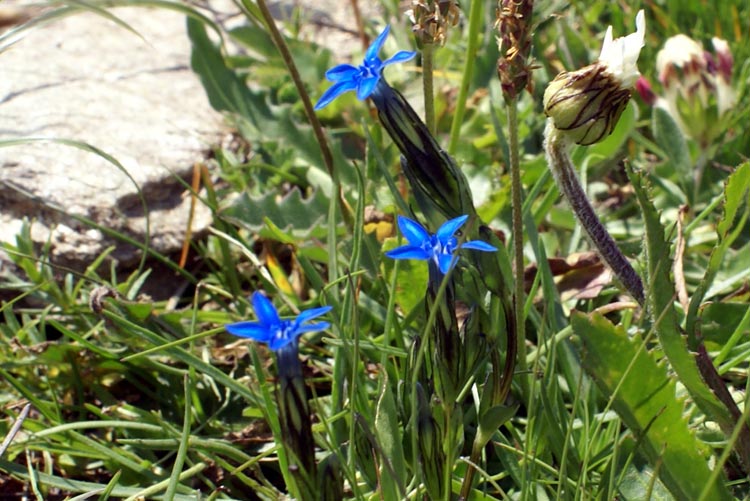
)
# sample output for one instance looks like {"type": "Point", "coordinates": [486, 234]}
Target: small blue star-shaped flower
{"type": "Point", "coordinates": [439, 248]}
{"type": "Point", "coordinates": [271, 329]}
{"type": "Point", "coordinates": [361, 78]}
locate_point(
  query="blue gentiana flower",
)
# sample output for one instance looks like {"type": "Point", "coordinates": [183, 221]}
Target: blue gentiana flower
{"type": "Point", "coordinates": [438, 248]}
{"type": "Point", "coordinates": [271, 329]}
{"type": "Point", "coordinates": [364, 77]}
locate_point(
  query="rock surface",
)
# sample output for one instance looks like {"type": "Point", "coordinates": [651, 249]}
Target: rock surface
{"type": "Point", "coordinates": [87, 79]}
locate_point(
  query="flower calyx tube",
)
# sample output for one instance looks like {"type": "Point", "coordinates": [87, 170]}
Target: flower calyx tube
{"type": "Point", "coordinates": [291, 396]}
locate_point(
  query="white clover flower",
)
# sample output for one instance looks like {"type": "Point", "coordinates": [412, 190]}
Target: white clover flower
{"type": "Point", "coordinates": [697, 90]}
{"type": "Point", "coordinates": [620, 55]}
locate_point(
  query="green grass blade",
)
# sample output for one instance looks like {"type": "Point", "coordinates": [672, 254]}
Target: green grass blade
{"type": "Point", "coordinates": [644, 398]}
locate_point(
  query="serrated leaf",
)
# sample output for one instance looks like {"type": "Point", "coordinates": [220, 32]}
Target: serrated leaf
{"type": "Point", "coordinates": [735, 196]}
{"type": "Point", "coordinates": [304, 218]}
{"type": "Point", "coordinates": [660, 299]}
{"type": "Point", "coordinates": [645, 399]}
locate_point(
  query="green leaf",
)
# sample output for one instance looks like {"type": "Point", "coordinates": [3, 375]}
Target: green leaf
{"type": "Point", "coordinates": [660, 299]}
{"type": "Point", "coordinates": [719, 320]}
{"type": "Point", "coordinates": [670, 139]}
{"type": "Point", "coordinates": [304, 218]}
{"type": "Point", "coordinates": [645, 399]}
{"type": "Point", "coordinates": [388, 432]}
{"type": "Point", "coordinates": [412, 277]}
{"type": "Point", "coordinates": [735, 196]}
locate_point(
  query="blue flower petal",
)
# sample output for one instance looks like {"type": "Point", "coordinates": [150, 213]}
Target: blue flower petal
{"type": "Point", "coordinates": [413, 231]}
{"type": "Point", "coordinates": [444, 262]}
{"type": "Point", "coordinates": [377, 44]}
{"type": "Point", "coordinates": [264, 310]}
{"type": "Point", "coordinates": [342, 72]}
{"type": "Point", "coordinates": [400, 57]}
{"type": "Point", "coordinates": [366, 86]}
{"type": "Point", "coordinates": [252, 330]}
{"type": "Point", "coordinates": [306, 315]}
{"type": "Point", "coordinates": [320, 326]}
{"type": "Point", "coordinates": [478, 245]}
{"type": "Point", "coordinates": [335, 91]}
{"type": "Point", "coordinates": [449, 228]}
{"type": "Point", "coordinates": [409, 252]}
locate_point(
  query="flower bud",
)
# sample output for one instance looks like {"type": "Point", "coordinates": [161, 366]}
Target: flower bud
{"type": "Point", "coordinates": [431, 453]}
{"type": "Point", "coordinates": [587, 103]}
{"type": "Point", "coordinates": [643, 86]}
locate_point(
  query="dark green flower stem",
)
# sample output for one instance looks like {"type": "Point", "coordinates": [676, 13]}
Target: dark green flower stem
{"type": "Point", "coordinates": [428, 51]}
{"type": "Point", "coordinates": [557, 147]}
{"type": "Point", "coordinates": [296, 426]}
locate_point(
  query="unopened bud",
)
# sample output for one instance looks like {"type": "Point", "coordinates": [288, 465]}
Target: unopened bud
{"type": "Point", "coordinates": [587, 103]}
{"type": "Point", "coordinates": [643, 86]}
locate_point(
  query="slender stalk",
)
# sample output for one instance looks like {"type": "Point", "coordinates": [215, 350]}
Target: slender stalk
{"type": "Point", "coordinates": [517, 230]}
{"type": "Point", "coordinates": [428, 50]}
{"type": "Point", "coordinates": [516, 334]}
{"type": "Point", "coordinates": [360, 25]}
{"type": "Point", "coordinates": [475, 18]}
{"type": "Point", "coordinates": [317, 128]}
{"type": "Point", "coordinates": [556, 147]}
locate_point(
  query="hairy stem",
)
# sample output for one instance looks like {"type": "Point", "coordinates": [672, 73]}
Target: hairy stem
{"type": "Point", "coordinates": [562, 168]}
{"type": "Point", "coordinates": [517, 230]}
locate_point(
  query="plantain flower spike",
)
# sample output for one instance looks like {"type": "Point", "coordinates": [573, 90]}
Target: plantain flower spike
{"type": "Point", "coordinates": [587, 103]}
{"type": "Point", "coordinates": [432, 19]}
{"type": "Point", "coordinates": [513, 22]}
